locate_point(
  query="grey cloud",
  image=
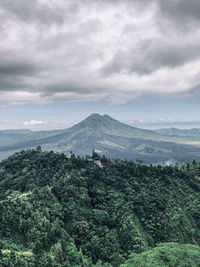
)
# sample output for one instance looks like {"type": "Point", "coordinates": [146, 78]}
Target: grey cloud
{"type": "Point", "coordinates": [152, 55]}
{"type": "Point", "coordinates": [134, 2]}
{"type": "Point", "coordinates": [33, 11]}
{"type": "Point", "coordinates": [67, 87]}
{"type": "Point", "coordinates": [66, 62]}
{"type": "Point", "coordinates": [17, 68]}
{"type": "Point", "coordinates": [182, 12]}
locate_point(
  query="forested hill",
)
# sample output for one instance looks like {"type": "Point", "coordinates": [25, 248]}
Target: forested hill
{"type": "Point", "coordinates": [93, 211]}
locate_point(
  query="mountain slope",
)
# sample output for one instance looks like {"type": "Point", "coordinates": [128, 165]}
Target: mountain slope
{"type": "Point", "coordinates": [107, 125]}
{"type": "Point", "coordinates": [109, 137]}
{"type": "Point", "coordinates": [11, 136]}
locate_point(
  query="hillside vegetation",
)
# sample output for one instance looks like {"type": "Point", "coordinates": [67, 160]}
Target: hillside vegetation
{"type": "Point", "coordinates": [168, 254]}
{"type": "Point", "coordinates": [94, 211]}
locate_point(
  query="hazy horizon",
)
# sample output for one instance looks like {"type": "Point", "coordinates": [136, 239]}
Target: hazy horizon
{"type": "Point", "coordinates": [35, 125]}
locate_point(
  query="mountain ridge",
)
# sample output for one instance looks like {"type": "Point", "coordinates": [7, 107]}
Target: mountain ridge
{"type": "Point", "coordinates": [109, 124]}
{"type": "Point", "coordinates": [193, 132]}
{"type": "Point", "coordinates": [108, 137]}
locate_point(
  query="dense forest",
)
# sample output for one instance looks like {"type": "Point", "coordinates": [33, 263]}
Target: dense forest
{"type": "Point", "coordinates": [94, 211]}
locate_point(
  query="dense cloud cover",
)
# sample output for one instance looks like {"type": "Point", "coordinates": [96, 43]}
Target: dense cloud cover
{"type": "Point", "coordinates": [98, 49]}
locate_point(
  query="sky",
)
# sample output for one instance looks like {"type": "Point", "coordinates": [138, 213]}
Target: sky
{"type": "Point", "coordinates": [135, 60]}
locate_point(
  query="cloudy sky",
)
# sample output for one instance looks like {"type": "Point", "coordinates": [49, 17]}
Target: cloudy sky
{"type": "Point", "coordinates": [137, 60]}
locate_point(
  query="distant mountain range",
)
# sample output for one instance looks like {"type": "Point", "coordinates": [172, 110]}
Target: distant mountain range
{"type": "Point", "coordinates": [195, 132]}
{"type": "Point", "coordinates": [109, 137]}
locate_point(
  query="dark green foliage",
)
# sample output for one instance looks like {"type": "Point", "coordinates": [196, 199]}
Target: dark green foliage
{"type": "Point", "coordinates": [60, 211]}
{"type": "Point", "coordinates": [168, 254]}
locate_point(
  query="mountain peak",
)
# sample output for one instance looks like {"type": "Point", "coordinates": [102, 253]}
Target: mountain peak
{"type": "Point", "coordinates": [98, 117]}
{"type": "Point", "coordinates": [94, 116]}
{"type": "Point", "coordinates": [96, 120]}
